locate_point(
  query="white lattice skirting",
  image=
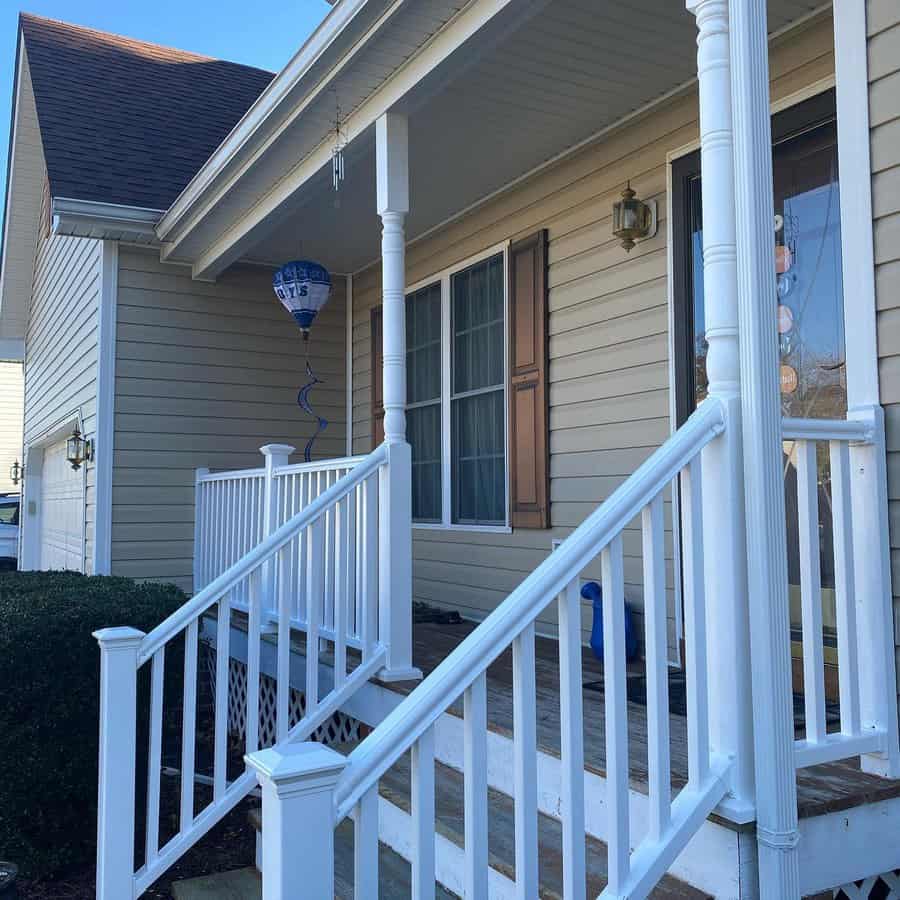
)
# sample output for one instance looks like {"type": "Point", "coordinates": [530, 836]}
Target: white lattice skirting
{"type": "Point", "coordinates": [339, 729]}
{"type": "Point", "coordinates": [879, 887]}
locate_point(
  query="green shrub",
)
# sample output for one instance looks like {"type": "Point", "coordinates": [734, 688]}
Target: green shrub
{"type": "Point", "coordinates": [49, 711]}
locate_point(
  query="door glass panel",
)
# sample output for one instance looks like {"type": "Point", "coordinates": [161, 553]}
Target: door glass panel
{"type": "Point", "coordinates": [810, 317]}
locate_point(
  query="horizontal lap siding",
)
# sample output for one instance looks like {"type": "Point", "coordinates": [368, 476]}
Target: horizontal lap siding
{"type": "Point", "coordinates": [883, 19]}
{"type": "Point", "coordinates": [12, 387]}
{"type": "Point", "coordinates": [206, 374]}
{"type": "Point", "coordinates": [61, 348]}
{"type": "Point", "coordinates": [609, 343]}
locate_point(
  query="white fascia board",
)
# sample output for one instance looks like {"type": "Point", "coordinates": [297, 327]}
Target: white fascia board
{"type": "Point", "coordinates": [88, 218]}
{"type": "Point", "coordinates": [233, 244]}
{"type": "Point", "coordinates": [264, 106]}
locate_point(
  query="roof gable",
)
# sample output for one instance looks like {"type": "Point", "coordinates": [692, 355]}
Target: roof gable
{"type": "Point", "coordinates": [128, 122]}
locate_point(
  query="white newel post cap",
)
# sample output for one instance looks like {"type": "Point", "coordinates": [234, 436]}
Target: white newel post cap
{"type": "Point", "coordinates": [121, 638]}
{"type": "Point", "coordinates": [293, 769]}
{"type": "Point", "coordinates": [277, 450]}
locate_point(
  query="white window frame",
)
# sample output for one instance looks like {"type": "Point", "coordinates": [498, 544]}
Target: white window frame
{"type": "Point", "coordinates": [444, 278]}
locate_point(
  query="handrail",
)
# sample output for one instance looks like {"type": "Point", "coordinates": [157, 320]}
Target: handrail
{"type": "Point", "coordinates": [263, 551]}
{"type": "Point", "coordinates": [322, 465]}
{"type": "Point", "coordinates": [230, 475]}
{"type": "Point", "coordinates": [411, 718]}
{"type": "Point", "coordinates": [861, 430]}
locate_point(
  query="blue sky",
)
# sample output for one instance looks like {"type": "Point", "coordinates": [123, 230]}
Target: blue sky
{"type": "Point", "coordinates": [264, 33]}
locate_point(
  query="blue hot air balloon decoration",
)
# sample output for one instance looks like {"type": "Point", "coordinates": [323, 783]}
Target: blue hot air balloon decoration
{"type": "Point", "coordinates": [303, 287]}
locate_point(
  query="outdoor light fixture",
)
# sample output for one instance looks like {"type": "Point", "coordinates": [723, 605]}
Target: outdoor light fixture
{"type": "Point", "coordinates": [78, 450]}
{"type": "Point", "coordinates": [16, 472]}
{"type": "Point", "coordinates": [633, 219]}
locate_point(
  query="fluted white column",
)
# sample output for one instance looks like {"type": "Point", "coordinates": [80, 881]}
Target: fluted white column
{"type": "Point", "coordinates": [776, 788]}
{"type": "Point", "coordinates": [395, 485]}
{"type": "Point", "coordinates": [725, 552]}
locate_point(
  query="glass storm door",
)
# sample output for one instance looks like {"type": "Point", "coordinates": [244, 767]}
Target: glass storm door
{"type": "Point", "coordinates": [810, 314]}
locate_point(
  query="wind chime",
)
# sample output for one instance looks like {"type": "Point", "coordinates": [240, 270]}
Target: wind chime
{"type": "Point", "coordinates": [303, 287]}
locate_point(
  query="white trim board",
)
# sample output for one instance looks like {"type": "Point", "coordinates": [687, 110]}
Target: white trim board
{"type": "Point", "coordinates": [106, 397]}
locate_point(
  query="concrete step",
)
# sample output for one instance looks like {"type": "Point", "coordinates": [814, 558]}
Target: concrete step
{"type": "Point", "coordinates": [238, 884]}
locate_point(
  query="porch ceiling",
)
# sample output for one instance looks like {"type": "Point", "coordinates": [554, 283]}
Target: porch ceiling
{"type": "Point", "coordinates": [536, 80]}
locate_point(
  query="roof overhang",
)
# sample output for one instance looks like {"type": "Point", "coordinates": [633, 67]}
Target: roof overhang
{"type": "Point", "coordinates": [483, 111]}
{"type": "Point", "coordinates": [109, 221]}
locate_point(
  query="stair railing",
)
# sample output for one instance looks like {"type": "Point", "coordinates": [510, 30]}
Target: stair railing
{"type": "Point", "coordinates": [351, 786]}
{"type": "Point", "coordinates": [320, 529]}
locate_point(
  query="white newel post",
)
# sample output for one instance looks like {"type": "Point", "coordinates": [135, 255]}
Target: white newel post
{"type": "Point", "coordinates": [773, 714]}
{"type": "Point", "coordinates": [118, 745]}
{"type": "Point", "coordinates": [297, 782]}
{"type": "Point", "coordinates": [724, 537]}
{"type": "Point", "coordinates": [200, 550]}
{"type": "Point", "coordinates": [395, 483]}
{"type": "Point", "coordinates": [276, 456]}
{"type": "Point", "coordinates": [871, 551]}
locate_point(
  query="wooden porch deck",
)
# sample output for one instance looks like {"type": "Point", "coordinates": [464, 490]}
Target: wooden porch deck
{"type": "Point", "coordinates": [821, 789]}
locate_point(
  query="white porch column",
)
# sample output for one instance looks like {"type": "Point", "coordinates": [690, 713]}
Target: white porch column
{"type": "Point", "coordinates": [773, 715]}
{"type": "Point", "coordinates": [276, 456]}
{"type": "Point", "coordinates": [395, 485]}
{"type": "Point", "coordinates": [297, 782]}
{"type": "Point", "coordinates": [724, 538]}
{"type": "Point", "coordinates": [871, 551]}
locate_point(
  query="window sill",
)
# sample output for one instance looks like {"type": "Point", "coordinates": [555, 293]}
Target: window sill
{"type": "Point", "coordinates": [440, 526]}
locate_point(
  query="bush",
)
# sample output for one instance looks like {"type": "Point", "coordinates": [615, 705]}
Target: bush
{"type": "Point", "coordinates": [49, 712]}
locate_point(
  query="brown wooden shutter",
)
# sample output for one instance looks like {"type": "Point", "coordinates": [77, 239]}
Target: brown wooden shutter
{"type": "Point", "coordinates": [529, 440]}
{"type": "Point", "coordinates": [377, 383]}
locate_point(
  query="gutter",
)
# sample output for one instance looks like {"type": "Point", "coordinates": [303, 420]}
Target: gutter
{"type": "Point", "coordinates": [87, 218]}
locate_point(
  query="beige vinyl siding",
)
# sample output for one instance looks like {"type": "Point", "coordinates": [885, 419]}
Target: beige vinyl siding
{"type": "Point", "coordinates": [61, 349]}
{"type": "Point", "coordinates": [883, 20]}
{"type": "Point", "coordinates": [206, 374]}
{"type": "Point", "coordinates": [609, 341]}
{"type": "Point", "coordinates": [12, 389]}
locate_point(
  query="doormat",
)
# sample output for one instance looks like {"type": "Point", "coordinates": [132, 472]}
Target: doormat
{"type": "Point", "coordinates": [423, 613]}
{"type": "Point", "coordinates": [636, 690]}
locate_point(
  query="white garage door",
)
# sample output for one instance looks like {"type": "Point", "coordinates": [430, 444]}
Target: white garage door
{"type": "Point", "coordinates": [62, 511]}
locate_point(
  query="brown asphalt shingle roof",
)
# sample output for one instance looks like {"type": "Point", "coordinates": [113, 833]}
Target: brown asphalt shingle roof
{"type": "Point", "coordinates": [124, 121]}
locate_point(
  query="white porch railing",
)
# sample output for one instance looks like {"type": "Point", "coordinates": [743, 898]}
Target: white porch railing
{"type": "Point", "coordinates": [331, 622]}
{"type": "Point", "coordinates": [863, 611]}
{"type": "Point", "coordinates": [354, 791]}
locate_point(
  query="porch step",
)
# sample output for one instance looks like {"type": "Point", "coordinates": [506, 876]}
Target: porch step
{"type": "Point", "coordinates": [238, 884]}
{"type": "Point", "coordinates": [395, 832]}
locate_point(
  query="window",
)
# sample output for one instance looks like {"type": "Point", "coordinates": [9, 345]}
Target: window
{"type": "Point", "coordinates": [456, 396]}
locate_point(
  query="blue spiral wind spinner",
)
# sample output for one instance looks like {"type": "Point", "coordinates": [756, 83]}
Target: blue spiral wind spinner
{"type": "Point", "coordinates": [303, 287]}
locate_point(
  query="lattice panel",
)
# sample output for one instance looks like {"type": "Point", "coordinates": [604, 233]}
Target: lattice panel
{"type": "Point", "coordinates": [879, 887]}
{"type": "Point", "coordinates": [339, 729]}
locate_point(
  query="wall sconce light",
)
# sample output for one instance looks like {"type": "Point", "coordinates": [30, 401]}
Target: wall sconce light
{"type": "Point", "coordinates": [79, 450]}
{"type": "Point", "coordinates": [16, 472]}
{"type": "Point", "coordinates": [633, 219]}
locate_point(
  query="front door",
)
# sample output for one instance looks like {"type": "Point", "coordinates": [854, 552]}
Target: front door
{"type": "Point", "coordinates": [810, 314]}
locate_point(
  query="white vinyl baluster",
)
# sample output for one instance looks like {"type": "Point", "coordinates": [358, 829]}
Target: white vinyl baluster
{"type": "Point", "coordinates": [220, 751]}
{"type": "Point", "coordinates": [283, 673]}
{"type": "Point", "coordinates": [328, 563]}
{"type": "Point", "coordinates": [475, 800]}
{"type": "Point", "coordinates": [695, 623]}
{"type": "Point", "coordinates": [154, 764]}
{"type": "Point", "coordinates": [845, 598]}
{"type": "Point", "coordinates": [571, 743]}
{"type": "Point", "coordinates": [189, 724]}
{"type": "Point", "coordinates": [422, 796]}
{"type": "Point", "coordinates": [341, 523]}
{"type": "Point", "coordinates": [656, 656]}
{"type": "Point", "coordinates": [525, 775]}
{"type": "Point", "coordinates": [365, 847]}
{"type": "Point", "coordinates": [316, 585]}
{"type": "Point", "coordinates": [811, 591]}
{"type": "Point", "coordinates": [349, 573]}
{"type": "Point", "coordinates": [368, 632]}
{"type": "Point", "coordinates": [253, 650]}
{"type": "Point", "coordinates": [303, 546]}
{"type": "Point", "coordinates": [615, 702]}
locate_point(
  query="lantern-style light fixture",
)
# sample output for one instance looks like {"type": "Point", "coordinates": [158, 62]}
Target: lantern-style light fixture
{"type": "Point", "coordinates": [303, 287]}
{"type": "Point", "coordinates": [16, 472]}
{"type": "Point", "coordinates": [78, 450]}
{"type": "Point", "coordinates": [633, 219]}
